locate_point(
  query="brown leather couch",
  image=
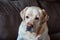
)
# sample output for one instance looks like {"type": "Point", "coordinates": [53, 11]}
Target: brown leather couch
{"type": "Point", "coordinates": [10, 18]}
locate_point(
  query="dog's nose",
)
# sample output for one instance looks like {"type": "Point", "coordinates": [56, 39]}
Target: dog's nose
{"type": "Point", "coordinates": [30, 24]}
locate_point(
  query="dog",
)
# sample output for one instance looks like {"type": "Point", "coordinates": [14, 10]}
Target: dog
{"type": "Point", "coordinates": [34, 24]}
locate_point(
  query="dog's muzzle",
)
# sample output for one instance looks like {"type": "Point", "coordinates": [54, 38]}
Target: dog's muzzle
{"type": "Point", "coordinates": [30, 27]}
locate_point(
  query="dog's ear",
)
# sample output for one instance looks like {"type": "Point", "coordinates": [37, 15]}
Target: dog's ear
{"type": "Point", "coordinates": [22, 13]}
{"type": "Point", "coordinates": [45, 17]}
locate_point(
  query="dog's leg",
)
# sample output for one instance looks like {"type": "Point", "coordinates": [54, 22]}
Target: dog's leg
{"type": "Point", "coordinates": [18, 38]}
{"type": "Point", "coordinates": [48, 38]}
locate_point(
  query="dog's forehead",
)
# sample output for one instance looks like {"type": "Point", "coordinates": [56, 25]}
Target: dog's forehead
{"type": "Point", "coordinates": [33, 11]}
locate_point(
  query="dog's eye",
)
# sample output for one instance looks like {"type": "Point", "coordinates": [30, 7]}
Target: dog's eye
{"type": "Point", "coordinates": [37, 18]}
{"type": "Point", "coordinates": [27, 16]}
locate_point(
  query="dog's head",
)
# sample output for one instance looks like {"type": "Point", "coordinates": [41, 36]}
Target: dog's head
{"type": "Point", "coordinates": [33, 17]}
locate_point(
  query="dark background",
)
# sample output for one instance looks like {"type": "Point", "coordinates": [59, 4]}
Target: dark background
{"type": "Point", "coordinates": [10, 18]}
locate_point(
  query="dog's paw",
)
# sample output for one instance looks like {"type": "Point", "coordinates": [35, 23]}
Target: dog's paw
{"type": "Point", "coordinates": [38, 37]}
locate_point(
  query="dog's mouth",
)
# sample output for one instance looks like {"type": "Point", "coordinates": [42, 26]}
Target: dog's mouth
{"type": "Point", "coordinates": [30, 28]}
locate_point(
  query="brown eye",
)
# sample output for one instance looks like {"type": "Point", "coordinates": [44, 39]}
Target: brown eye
{"type": "Point", "coordinates": [27, 16]}
{"type": "Point", "coordinates": [37, 18]}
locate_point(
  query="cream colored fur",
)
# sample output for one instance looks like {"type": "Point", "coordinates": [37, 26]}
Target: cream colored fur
{"type": "Point", "coordinates": [39, 23]}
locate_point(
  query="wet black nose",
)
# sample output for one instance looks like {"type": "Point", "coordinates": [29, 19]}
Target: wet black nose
{"type": "Point", "coordinates": [29, 28]}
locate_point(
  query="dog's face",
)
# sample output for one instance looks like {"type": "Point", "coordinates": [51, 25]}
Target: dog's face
{"type": "Point", "coordinates": [33, 17]}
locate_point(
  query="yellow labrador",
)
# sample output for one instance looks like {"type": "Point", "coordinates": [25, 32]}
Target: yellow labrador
{"type": "Point", "coordinates": [33, 25]}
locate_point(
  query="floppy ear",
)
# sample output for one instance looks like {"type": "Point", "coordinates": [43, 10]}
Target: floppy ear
{"type": "Point", "coordinates": [23, 12]}
{"type": "Point", "coordinates": [45, 17]}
